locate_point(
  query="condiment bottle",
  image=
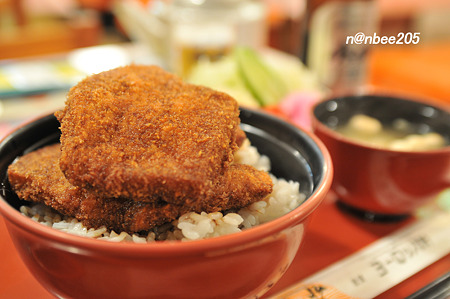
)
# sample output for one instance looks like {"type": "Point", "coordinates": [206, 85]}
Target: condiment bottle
{"type": "Point", "coordinates": [329, 50]}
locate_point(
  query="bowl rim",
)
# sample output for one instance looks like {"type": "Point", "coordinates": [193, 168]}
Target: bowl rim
{"type": "Point", "coordinates": [167, 248]}
{"type": "Point", "coordinates": [319, 126]}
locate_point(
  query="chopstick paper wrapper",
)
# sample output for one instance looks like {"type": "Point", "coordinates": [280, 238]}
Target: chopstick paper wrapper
{"type": "Point", "coordinates": [381, 265]}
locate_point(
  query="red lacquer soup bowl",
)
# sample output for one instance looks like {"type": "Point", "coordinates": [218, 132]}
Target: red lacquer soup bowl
{"type": "Point", "coordinates": [379, 183]}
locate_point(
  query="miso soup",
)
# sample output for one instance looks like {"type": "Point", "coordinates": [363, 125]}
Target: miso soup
{"type": "Point", "coordinates": [399, 135]}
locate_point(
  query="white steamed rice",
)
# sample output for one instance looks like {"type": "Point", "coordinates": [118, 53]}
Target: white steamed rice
{"type": "Point", "coordinates": [192, 226]}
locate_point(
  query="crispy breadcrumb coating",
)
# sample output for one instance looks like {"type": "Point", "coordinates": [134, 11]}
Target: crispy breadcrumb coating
{"type": "Point", "coordinates": [139, 147]}
{"type": "Point", "coordinates": [37, 177]}
{"type": "Point", "coordinates": [141, 133]}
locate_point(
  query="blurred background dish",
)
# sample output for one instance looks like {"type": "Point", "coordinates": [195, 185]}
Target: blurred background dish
{"type": "Point", "coordinates": [30, 29]}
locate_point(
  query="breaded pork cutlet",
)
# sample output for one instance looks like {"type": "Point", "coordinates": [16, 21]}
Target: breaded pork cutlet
{"type": "Point", "coordinates": [141, 133]}
{"type": "Point", "coordinates": [37, 177]}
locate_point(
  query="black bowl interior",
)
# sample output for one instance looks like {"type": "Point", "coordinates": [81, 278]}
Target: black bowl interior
{"type": "Point", "coordinates": [293, 154]}
{"type": "Point", "coordinates": [424, 117]}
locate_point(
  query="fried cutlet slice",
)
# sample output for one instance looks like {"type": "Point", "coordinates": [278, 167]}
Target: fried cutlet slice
{"type": "Point", "coordinates": [240, 186]}
{"type": "Point", "coordinates": [37, 177]}
{"type": "Point", "coordinates": [142, 133]}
